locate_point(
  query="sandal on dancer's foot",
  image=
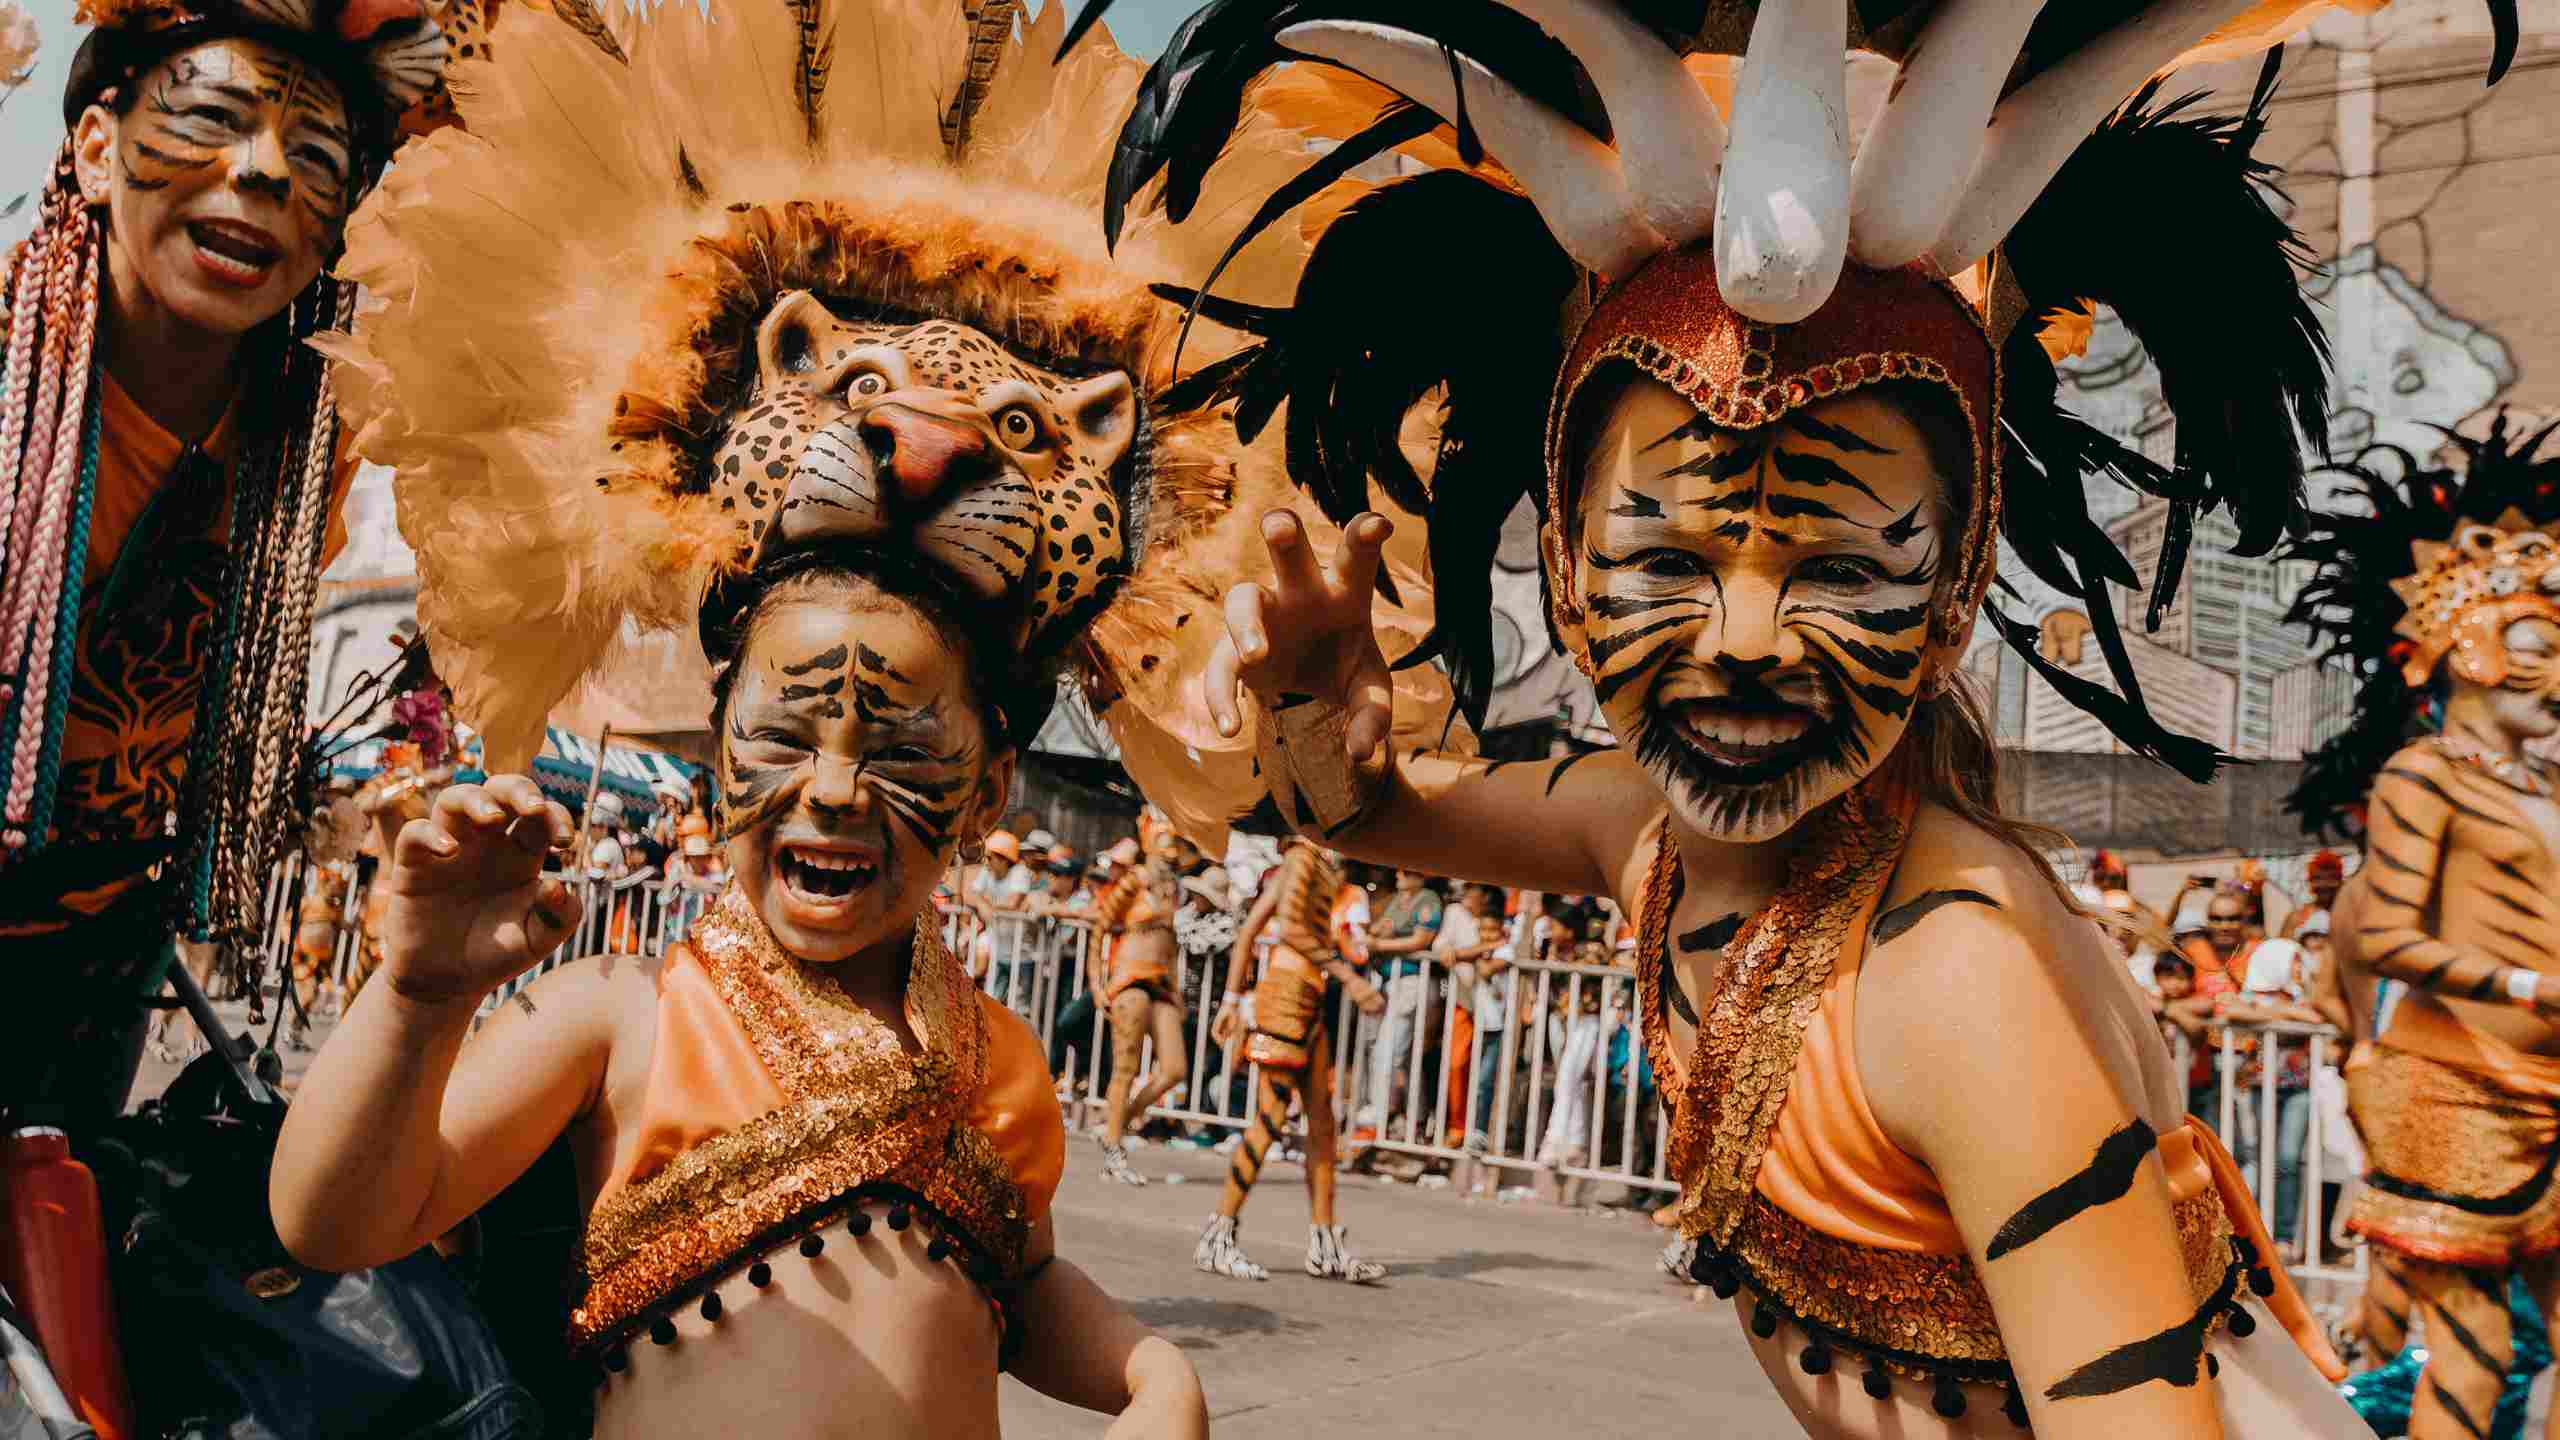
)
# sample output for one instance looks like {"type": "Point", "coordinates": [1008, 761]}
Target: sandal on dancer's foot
{"type": "Point", "coordinates": [1329, 1258]}
{"type": "Point", "coordinates": [1219, 1254]}
{"type": "Point", "coordinates": [1115, 1163]}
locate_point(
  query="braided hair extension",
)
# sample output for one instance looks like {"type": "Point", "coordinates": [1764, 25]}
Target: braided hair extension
{"type": "Point", "coordinates": [245, 760]}
{"type": "Point", "coordinates": [47, 444]}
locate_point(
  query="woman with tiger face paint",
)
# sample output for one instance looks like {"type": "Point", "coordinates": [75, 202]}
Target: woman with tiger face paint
{"type": "Point", "coordinates": [2445, 592]}
{"type": "Point", "coordinates": [1775, 478]}
{"type": "Point", "coordinates": [169, 464]}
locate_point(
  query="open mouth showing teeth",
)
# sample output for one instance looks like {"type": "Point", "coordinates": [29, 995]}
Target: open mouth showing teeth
{"type": "Point", "coordinates": [241, 250]}
{"type": "Point", "coordinates": [826, 875]}
{"type": "Point", "coordinates": [1749, 744]}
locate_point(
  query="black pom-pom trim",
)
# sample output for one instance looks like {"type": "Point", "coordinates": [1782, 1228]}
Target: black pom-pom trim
{"type": "Point", "coordinates": [1816, 1359]}
{"type": "Point", "coordinates": [617, 1360]}
{"type": "Point", "coordinates": [711, 1306]}
{"type": "Point", "coordinates": [940, 1249]}
{"type": "Point", "coordinates": [2262, 1282]}
{"type": "Point", "coordinates": [898, 1216]}
{"type": "Point", "coordinates": [1764, 1321]}
{"type": "Point", "coordinates": [2243, 1324]}
{"type": "Point", "coordinates": [859, 1223]}
{"type": "Point", "coordinates": [1949, 1401]}
{"type": "Point", "coordinates": [759, 1274]}
{"type": "Point", "coordinates": [811, 1246]}
{"type": "Point", "coordinates": [2016, 1409]}
{"type": "Point", "coordinates": [1877, 1384]}
{"type": "Point", "coordinates": [662, 1331]}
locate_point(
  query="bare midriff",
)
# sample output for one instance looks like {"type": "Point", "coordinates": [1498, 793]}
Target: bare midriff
{"type": "Point", "coordinates": [1145, 953]}
{"type": "Point", "coordinates": [869, 1338]}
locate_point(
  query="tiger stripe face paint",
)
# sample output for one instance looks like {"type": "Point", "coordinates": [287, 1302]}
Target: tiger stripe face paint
{"type": "Point", "coordinates": [852, 764]}
{"type": "Point", "coordinates": [227, 181]}
{"type": "Point", "coordinates": [1758, 601]}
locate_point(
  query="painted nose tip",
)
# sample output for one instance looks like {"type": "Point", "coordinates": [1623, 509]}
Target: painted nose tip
{"type": "Point", "coordinates": [922, 455]}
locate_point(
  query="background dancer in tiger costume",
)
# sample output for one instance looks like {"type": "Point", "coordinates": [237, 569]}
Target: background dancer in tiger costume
{"type": "Point", "coordinates": [1133, 921]}
{"type": "Point", "coordinates": [1778, 443]}
{"type": "Point", "coordinates": [1301, 990]}
{"type": "Point", "coordinates": [2446, 599]}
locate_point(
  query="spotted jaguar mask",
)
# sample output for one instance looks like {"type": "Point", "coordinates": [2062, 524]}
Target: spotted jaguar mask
{"type": "Point", "coordinates": [1003, 474]}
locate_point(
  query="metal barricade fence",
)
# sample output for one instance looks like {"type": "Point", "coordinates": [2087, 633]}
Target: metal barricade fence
{"type": "Point", "coordinates": [1518, 1074]}
{"type": "Point", "coordinates": [2275, 1093]}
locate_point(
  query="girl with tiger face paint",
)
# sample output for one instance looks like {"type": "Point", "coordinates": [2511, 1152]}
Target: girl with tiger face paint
{"type": "Point", "coordinates": [1759, 601]}
{"type": "Point", "coordinates": [855, 761]}
{"type": "Point", "coordinates": [1764, 550]}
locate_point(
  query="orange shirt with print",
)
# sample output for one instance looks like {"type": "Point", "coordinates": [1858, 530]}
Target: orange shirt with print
{"type": "Point", "coordinates": [137, 673]}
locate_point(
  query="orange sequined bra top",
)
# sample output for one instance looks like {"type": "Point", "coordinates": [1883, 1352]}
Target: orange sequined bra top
{"type": "Point", "coordinates": [778, 1113]}
{"type": "Point", "coordinates": [1789, 1185]}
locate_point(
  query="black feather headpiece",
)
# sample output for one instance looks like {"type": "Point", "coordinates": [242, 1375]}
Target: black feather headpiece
{"type": "Point", "coordinates": [1450, 286]}
{"type": "Point", "coordinates": [2349, 604]}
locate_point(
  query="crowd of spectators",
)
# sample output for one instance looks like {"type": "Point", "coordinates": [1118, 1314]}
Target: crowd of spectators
{"type": "Point", "coordinates": [2223, 955]}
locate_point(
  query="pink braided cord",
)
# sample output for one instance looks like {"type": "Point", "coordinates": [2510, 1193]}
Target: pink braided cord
{"type": "Point", "coordinates": [26, 273]}
{"type": "Point", "coordinates": [62, 487]}
{"type": "Point", "coordinates": [41, 513]}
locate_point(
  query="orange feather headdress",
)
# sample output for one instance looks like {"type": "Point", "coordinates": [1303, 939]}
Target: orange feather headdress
{"type": "Point", "coordinates": [567, 290]}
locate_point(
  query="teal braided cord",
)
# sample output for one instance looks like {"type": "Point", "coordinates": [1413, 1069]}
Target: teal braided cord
{"type": "Point", "coordinates": [195, 916]}
{"type": "Point", "coordinates": [66, 635]}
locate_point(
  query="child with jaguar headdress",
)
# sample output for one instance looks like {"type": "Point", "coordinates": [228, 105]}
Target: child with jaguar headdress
{"type": "Point", "coordinates": [1785, 403]}
{"type": "Point", "coordinates": [817, 365]}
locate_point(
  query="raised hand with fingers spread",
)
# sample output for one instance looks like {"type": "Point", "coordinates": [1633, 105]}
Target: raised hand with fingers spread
{"type": "Point", "coordinates": [1309, 634]}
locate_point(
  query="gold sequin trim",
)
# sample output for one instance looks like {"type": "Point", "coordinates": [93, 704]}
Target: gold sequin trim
{"type": "Point", "coordinates": [1769, 989]}
{"type": "Point", "coordinates": [859, 1111]}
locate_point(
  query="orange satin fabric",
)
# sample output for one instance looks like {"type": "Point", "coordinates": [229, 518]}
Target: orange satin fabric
{"type": "Point", "coordinates": [706, 1080]}
{"type": "Point", "coordinates": [1830, 1165]}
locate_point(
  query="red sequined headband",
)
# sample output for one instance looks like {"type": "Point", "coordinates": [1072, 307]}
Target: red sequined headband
{"type": "Point", "coordinates": [1669, 320]}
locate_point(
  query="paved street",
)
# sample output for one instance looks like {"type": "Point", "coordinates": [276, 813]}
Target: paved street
{"type": "Point", "coordinates": [1498, 1319]}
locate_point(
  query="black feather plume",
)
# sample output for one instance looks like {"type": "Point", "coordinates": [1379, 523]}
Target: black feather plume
{"type": "Point", "coordinates": [2353, 613]}
{"type": "Point", "coordinates": [2243, 366]}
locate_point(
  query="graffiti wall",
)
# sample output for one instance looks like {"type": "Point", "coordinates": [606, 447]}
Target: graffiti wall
{"type": "Point", "coordinates": [2426, 195]}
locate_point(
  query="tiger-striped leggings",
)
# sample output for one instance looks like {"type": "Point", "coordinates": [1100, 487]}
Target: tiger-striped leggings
{"type": "Point", "coordinates": [1314, 1087]}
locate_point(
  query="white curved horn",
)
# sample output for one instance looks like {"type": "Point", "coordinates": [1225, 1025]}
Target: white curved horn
{"type": "Point", "coordinates": [2035, 130]}
{"type": "Point", "coordinates": [1911, 169]}
{"type": "Point", "coordinates": [1669, 136]}
{"type": "Point", "coordinates": [1782, 219]}
{"type": "Point", "coordinates": [1574, 180]}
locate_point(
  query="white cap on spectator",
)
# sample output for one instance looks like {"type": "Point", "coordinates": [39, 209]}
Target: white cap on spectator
{"type": "Point", "coordinates": [1038, 841]}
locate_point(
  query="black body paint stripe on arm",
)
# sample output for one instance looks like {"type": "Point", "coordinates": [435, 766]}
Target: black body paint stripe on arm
{"type": "Point", "coordinates": [2104, 1180]}
{"type": "Point", "coordinates": [1897, 922]}
{"type": "Point", "coordinates": [2175, 1355]}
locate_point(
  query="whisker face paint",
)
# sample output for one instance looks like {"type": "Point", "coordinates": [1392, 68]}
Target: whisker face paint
{"type": "Point", "coordinates": [850, 757]}
{"type": "Point", "coordinates": [1758, 601]}
{"type": "Point", "coordinates": [234, 171]}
